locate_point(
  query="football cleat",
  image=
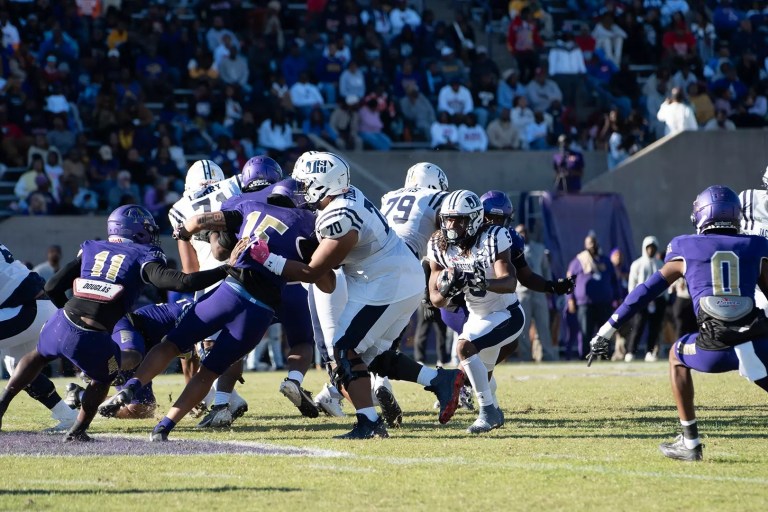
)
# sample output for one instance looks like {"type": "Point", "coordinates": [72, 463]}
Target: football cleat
{"type": "Point", "coordinates": [390, 409]}
{"type": "Point", "coordinates": [677, 450]}
{"type": "Point", "coordinates": [365, 429]}
{"type": "Point", "coordinates": [238, 407]}
{"type": "Point", "coordinates": [466, 398]}
{"type": "Point", "coordinates": [218, 417]}
{"type": "Point", "coordinates": [72, 396]}
{"type": "Point", "coordinates": [299, 397]}
{"type": "Point", "coordinates": [111, 405]}
{"type": "Point", "coordinates": [447, 386]}
{"type": "Point", "coordinates": [325, 402]}
{"type": "Point", "coordinates": [158, 436]}
{"type": "Point", "coordinates": [490, 418]}
{"type": "Point", "coordinates": [79, 436]}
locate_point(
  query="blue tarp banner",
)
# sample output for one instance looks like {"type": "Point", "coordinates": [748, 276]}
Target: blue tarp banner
{"type": "Point", "coordinates": [569, 217]}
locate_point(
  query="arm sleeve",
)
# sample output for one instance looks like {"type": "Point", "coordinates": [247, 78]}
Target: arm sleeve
{"type": "Point", "coordinates": [233, 219]}
{"type": "Point", "coordinates": [638, 299]}
{"type": "Point", "coordinates": [61, 281]}
{"type": "Point", "coordinates": [169, 279]}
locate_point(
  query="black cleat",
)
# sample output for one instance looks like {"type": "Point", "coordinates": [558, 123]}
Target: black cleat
{"type": "Point", "coordinates": [218, 417]}
{"type": "Point", "coordinates": [365, 429]}
{"type": "Point", "coordinates": [158, 436]}
{"type": "Point", "coordinates": [390, 409]}
{"type": "Point", "coordinates": [447, 386]}
{"type": "Point", "coordinates": [677, 450]}
{"type": "Point", "coordinates": [77, 436]}
{"type": "Point", "coordinates": [299, 397]}
{"type": "Point", "coordinates": [72, 396]}
{"type": "Point", "coordinates": [111, 405]}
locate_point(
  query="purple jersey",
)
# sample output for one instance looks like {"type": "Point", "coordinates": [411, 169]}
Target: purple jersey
{"type": "Point", "coordinates": [719, 264]}
{"type": "Point", "coordinates": [517, 250]}
{"type": "Point", "coordinates": [111, 272]}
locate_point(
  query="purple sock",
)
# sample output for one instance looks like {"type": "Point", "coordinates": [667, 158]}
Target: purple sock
{"type": "Point", "coordinates": [134, 384]}
{"type": "Point", "coordinates": [166, 424]}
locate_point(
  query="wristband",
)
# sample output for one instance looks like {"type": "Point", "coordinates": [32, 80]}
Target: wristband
{"type": "Point", "coordinates": [275, 264]}
{"type": "Point", "coordinates": [607, 331]}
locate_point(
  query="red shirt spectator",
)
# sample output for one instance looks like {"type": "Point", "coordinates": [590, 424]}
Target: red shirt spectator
{"type": "Point", "coordinates": [523, 35]}
{"type": "Point", "coordinates": [679, 42]}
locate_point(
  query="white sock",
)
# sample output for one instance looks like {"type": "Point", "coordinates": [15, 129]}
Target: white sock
{"type": "Point", "coordinates": [478, 376]}
{"type": "Point", "coordinates": [492, 385]}
{"type": "Point", "coordinates": [61, 410]}
{"type": "Point", "coordinates": [335, 392]}
{"type": "Point", "coordinates": [382, 381]}
{"type": "Point", "coordinates": [297, 376]}
{"type": "Point", "coordinates": [426, 375]}
{"type": "Point", "coordinates": [221, 398]}
{"type": "Point", "coordinates": [235, 397]}
{"type": "Point", "coordinates": [369, 412]}
{"type": "Point", "coordinates": [208, 400]}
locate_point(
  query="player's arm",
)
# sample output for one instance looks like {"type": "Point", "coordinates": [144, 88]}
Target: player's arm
{"type": "Point", "coordinates": [169, 279]}
{"type": "Point", "coordinates": [61, 281]}
{"type": "Point", "coordinates": [435, 297]}
{"type": "Point", "coordinates": [214, 221]}
{"type": "Point", "coordinates": [506, 278]}
{"type": "Point", "coordinates": [328, 255]}
{"type": "Point", "coordinates": [222, 243]}
{"type": "Point", "coordinates": [189, 261]}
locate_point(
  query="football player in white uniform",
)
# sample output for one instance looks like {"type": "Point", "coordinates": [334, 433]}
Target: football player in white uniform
{"type": "Point", "coordinates": [384, 284]}
{"type": "Point", "coordinates": [23, 311]}
{"type": "Point", "coordinates": [205, 190]}
{"type": "Point", "coordinates": [754, 221]}
{"type": "Point", "coordinates": [471, 257]}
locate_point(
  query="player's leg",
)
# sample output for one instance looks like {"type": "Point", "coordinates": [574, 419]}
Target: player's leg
{"type": "Point", "coordinates": [222, 414]}
{"type": "Point", "coordinates": [27, 370]}
{"type": "Point", "coordinates": [525, 344]}
{"type": "Point", "coordinates": [686, 446]}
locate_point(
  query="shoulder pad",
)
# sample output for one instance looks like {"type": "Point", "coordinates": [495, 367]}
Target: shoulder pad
{"type": "Point", "coordinates": [337, 224]}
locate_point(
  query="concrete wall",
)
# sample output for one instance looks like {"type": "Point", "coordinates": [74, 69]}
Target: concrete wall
{"type": "Point", "coordinates": [660, 183]}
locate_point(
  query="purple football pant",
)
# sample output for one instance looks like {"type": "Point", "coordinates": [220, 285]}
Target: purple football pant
{"type": "Point", "coordinates": [93, 352]}
{"type": "Point", "coordinates": [715, 361]}
{"type": "Point", "coordinates": [241, 319]}
{"type": "Point", "coordinates": [293, 314]}
{"type": "Point", "coordinates": [455, 320]}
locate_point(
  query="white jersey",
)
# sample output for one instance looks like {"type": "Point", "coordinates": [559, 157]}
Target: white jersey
{"type": "Point", "coordinates": [380, 269]}
{"type": "Point", "coordinates": [12, 273]}
{"type": "Point", "coordinates": [412, 213]}
{"type": "Point", "coordinates": [206, 199]}
{"type": "Point", "coordinates": [491, 241]}
{"type": "Point", "coordinates": [754, 221]}
{"type": "Point", "coordinates": [754, 212]}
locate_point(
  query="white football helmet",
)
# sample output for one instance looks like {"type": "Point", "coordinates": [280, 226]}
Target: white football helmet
{"type": "Point", "coordinates": [461, 203]}
{"type": "Point", "coordinates": [320, 175]}
{"type": "Point", "coordinates": [201, 174]}
{"type": "Point", "coordinates": [426, 175]}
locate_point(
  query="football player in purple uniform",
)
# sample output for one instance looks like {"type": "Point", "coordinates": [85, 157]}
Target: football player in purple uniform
{"type": "Point", "coordinates": [106, 279]}
{"type": "Point", "coordinates": [722, 268]}
{"type": "Point", "coordinates": [241, 308]}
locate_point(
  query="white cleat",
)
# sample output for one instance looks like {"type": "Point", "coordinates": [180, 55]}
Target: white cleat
{"type": "Point", "coordinates": [331, 406]}
{"type": "Point", "coordinates": [65, 422]}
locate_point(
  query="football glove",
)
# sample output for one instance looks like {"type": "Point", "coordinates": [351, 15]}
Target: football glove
{"type": "Point", "coordinates": [450, 283]}
{"type": "Point", "coordinates": [561, 286]}
{"type": "Point", "coordinates": [599, 348]}
{"type": "Point", "coordinates": [477, 280]}
{"type": "Point", "coordinates": [181, 233]}
{"type": "Point", "coordinates": [429, 312]}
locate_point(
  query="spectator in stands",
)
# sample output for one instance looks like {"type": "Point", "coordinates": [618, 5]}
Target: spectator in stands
{"type": "Point", "coordinates": [509, 89]}
{"type": "Point", "coordinates": [27, 183]}
{"type": "Point", "coordinates": [52, 263]}
{"type": "Point", "coordinates": [215, 35]}
{"type": "Point", "coordinates": [54, 170]}
{"type": "Point", "coordinates": [60, 136]}
{"type": "Point", "coordinates": [566, 66]}
{"type": "Point", "coordinates": [402, 15]}
{"type": "Point", "coordinates": [730, 81]}
{"type": "Point", "coordinates": [39, 146]}
{"type": "Point", "coordinates": [676, 115]}
{"type": "Point", "coordinates": [568, 164]}
{"type": "Point", "coordinates": [542, 91]}
{"type": "Point", "coordinates": [352, 81]}
{"type": "Point", "coordinates": [450, 67]}
{"type": "Point", "coordinates": [103, 171]}
{"type": "Point", "coordinates": [719, 122]}
{"type": "Point", "coordinates": [75, 166]}
{"type": "Point", "coordinates": [522, 116]}
{"type": "Point", "coordinates": [704, 32]}
{"type": "Point", "coordinates": [405, 77]}
{"type": "Point", "coordinates": [524, 42]}
{"type": "Point", "coordinates": [484, 98]}
{"type": "Point", "coordinates": [344, 121]}
{"type": "Point", "coordinates": [123, 192]}
{"type": "Point", "coordinates": [502, 134]}
{"type": "Point", "coordinates": [684, 77]}
{"type": "Point", "coordinates": [702, 105]}
{"type": "Point", "coordinates": [537, 133]}
{"type": "Point", "coordinates": [418, 113]}
{"type": "Point", "coordinates": [293, 65]}
{"type": "Point", "coordinates": [305, 96]}
{"type": "Point", "coordinates": [618, 141]}
{"type": "Point", "coordinates": [280, 93]}
{"type": "Point", "coordinates": [328, 71]}
{"type": "Point", "coordinates": [679, 43]}
{"type": "Point", "coordinates": [275, 133]}
{"type": "Point", "coordinates": [444, 132]}
{"type": "Point", "coordinates": [652, 316]}
{"type": "Point", "coordinates": [370, 127]}
{"type": "Point", "coordinates": [595, 291]}
{"type": "Point", "coordinates": [454, 98]}
{"type": "Point", "coordinates": [317, 125]}
{"type": "Point", "coordinates": [609, 37]}
{"type": "Point", "coordinates": [376, 17]}
{"type": "Point", "coordinates": [472, 136]}
{"type": "Point", "coordinates": [482, 65]}
{"type": "Point", "coordinates": [233, 70]}
{"type": "Point", "coordinates": [158, 200]}
{"type": "Point", "coordinates": [404, 46]}
{"type": "Point", "coordinates": [273, 28]}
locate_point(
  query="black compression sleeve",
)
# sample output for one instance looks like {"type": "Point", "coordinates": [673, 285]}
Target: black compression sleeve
{"type": "Point", "coordinates": [57, 286]}
{"type": "Point", "coordinates": [169, 279]}
{"type": "Point", "coordinates": [234, 220]}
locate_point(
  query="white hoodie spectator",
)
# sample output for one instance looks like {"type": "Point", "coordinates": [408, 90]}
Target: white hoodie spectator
{"type": "Point", "coordinates": [566, 58]}
{"type": "Point", "coordinates": [305, 94]}
{"type": "Point", "coordinates": [402, 15]}
{"type": "Point", "coordinates": [472, 136]}
{"type": "Point", "coordinates": [275, 135]}
{"type": "Point", "coordinates": [352, 81]}
{"type": "Point", "coordinates": [676, 115]}
{"type": "Point", "coordinates": [455, 99]}
{"type": "Point", "coordinates": [443, 132]}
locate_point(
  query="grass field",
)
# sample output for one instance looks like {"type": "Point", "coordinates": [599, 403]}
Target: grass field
{"type": "Point", "coordinates": [575, 439]}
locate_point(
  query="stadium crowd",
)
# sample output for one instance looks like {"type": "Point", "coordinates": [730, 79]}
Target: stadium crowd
{"type": "Point", "coordinates": [104, 100]}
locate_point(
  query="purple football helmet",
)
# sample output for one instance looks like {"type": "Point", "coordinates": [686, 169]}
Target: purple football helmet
{"type": "Point", "coordinates": [497, 204]}
{"type": "Point", "coordinates": [133, 223]}
{"type": "Point", "coordinates": [718, 207]}
{"type": "Point", "coordinates": [259, 172]}
{"type": "Point", "coordinates": [289, 188]}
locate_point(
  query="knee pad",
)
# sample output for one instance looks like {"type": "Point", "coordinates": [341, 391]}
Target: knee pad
{"type": "Point", "coordinates": [344, 374]}
{"type": "Point", "coordinates": [43, 390]}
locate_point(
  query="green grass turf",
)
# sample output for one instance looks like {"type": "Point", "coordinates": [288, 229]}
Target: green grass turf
{"type": "Point", "coordinates": [575, 439]}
